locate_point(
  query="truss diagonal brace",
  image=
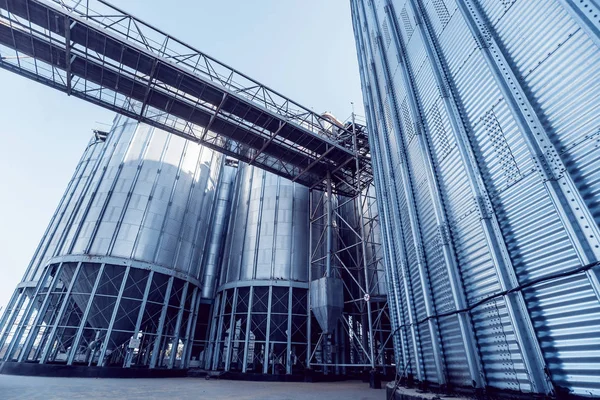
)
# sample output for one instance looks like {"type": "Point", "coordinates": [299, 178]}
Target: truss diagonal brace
{"type": "Point", "coordinates": [312, 164]}
{"type": "Point", "coordinates": [214, 116]}
{"type": "Point", "coordinates": [268, 142]}
{"type": "Point", "coordinates": [68, 58]}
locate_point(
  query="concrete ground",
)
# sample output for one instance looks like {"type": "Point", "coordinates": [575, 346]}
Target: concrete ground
{"type": "Point", "coordinates": [33, 388]}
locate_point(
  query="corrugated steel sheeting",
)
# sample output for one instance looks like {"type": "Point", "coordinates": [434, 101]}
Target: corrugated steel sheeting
{"type": "Point", "coordinates": [484, 119]}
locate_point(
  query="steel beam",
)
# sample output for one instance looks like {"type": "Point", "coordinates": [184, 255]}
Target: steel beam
{"type": "Point", "coordinates": [214, 116]}
{"type": "Point", "coordinates": [97, 44]}
{"type": "Point", "coordinates": [310, 259]}
{"type": "Point", "coordinates": [268, 333]}
{"type": "Point", "coordinates": [363, 249]}
{"type": "Point", "coordinates": [247, 333]}
{"type": "Point", "coordinates": [8, 308]}
{"type": "Point", "coordinates": [214, 318]}
{"type": "Point", "coordinates": [11, 314]}
{"type": "Point", "coordinates": [288, 366]}
{"type": "Point", "coordinates": [220, 317]}
{"type": "Point", "coordinates": [267, 143]}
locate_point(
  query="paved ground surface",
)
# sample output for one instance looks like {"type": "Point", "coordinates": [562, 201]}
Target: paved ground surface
{"type": "Point", "coordinates": [34, 388]}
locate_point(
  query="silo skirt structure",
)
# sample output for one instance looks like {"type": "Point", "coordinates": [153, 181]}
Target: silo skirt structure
{"type": "Point", "coordinates": [115, 279]}
{"type": "Point", "coordinates": [260, 312]}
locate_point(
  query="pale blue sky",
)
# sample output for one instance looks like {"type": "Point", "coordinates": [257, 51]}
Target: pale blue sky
{"type": "Point", "coordinates": [302, 48]}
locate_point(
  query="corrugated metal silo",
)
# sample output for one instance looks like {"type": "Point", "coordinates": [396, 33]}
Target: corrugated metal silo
{"type": "Point", "coordinates": [118, 270]}
{"type": "Point", "coordinates": [259, 322]}
{"type": "Point", "coordinates": [484, 119]}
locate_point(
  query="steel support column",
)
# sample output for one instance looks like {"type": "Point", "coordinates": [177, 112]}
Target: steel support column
{"type": "Point", "coordinates": [13, 316]}
{"type": "Point", "coordinates": [26, 315]}
{"type": "Point", "coordinates": [214, 318]}
{"type": "Point", "coordinates": [140, 317]}
{"type": "Point", "coordinates": [357, 203]}
{"type": "Point", "coordinates": [219, 330]}
{"type": "Point", "coordinates": [248, 325]}
{"type": "Point", "coordinates": [175, 342]}
{"type": "Point", "coordinates": [84, 317]}
{"type": "Point", "coordinates": [65, 300]}
{"type": "Point", "coordinates": [268, 333]}
{"type": "Point", "coordinates": [309, 258]}
{"type": "Point", "coordinates": [383, 205]}
{"type": "Point", "coordinates": [329, 227]}
{"type": "Point", "coordinates": [29, 341]}
{"type": "Point", "coordinates": [101, 361]}
{"type": "Point", "coordinates": [229, 344]}
{"type": "Point", "coordinates": [161, 324]}
{"type": "Point", "coordinates": [188, 341]}
{"type": "Point", "coordinates": [288, 367]}
{"type": "Point", "coordinates": [8, 310]}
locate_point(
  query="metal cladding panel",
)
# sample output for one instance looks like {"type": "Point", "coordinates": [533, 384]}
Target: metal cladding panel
{"type": "Point", "coordinates": [566, 316]}
{"type": "Point", "coordinates": [487, 169]}
{"type": "Point", "coordinates": [144, 195]}
{"type": "Point", "coordinates": [562, 74]}
{"type": "Point", "coordinates": [83, 172]}
{"type": "Point", "coordinates": [268, 234]}
{"type": "Point", "coordinates": [569, 101]}
{"type": "Point", "coordinates": [211, 260]}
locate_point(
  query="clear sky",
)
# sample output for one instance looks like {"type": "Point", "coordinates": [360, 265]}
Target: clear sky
{"type": "Point", "coordinates": [304, 49]}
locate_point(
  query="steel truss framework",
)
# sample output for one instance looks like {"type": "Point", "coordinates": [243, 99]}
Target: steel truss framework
{"type": "Point", "coordinates": [94, 51]}
{"type": "Point", "coordinates": [345, 244]}
{"type": "Point", "coordinates": [103, 313]}
{"type": "Point", "coordinates": [259, 327]}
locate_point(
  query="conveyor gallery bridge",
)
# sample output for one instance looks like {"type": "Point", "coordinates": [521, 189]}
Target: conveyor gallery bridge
{"type": "Point", "coordinates": [94, 51]}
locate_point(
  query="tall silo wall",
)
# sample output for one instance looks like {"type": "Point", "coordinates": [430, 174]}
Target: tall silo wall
{"type": "Point", "coordinates": [483, 119]}
{"type": "Point", "coordinates": [118, 271]}
{"type": "Point", "coordinates": [259, 320]}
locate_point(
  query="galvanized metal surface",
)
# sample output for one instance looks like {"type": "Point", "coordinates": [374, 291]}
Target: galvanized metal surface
{"type": "Point", "coordinates": [213, 256]}
{"type": "Point", "coordinates": [258, 321]}
{"type": "Point", "coordinates": [144, 195]}
{"type": "Point", "coordinates": [121, 257]}
{"type": "Point", "coordinates": [327, 301]}
{"type": "Point", "coordinates": [510, 126]}
{"type": "Point", "coordinates": [268, 229]}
